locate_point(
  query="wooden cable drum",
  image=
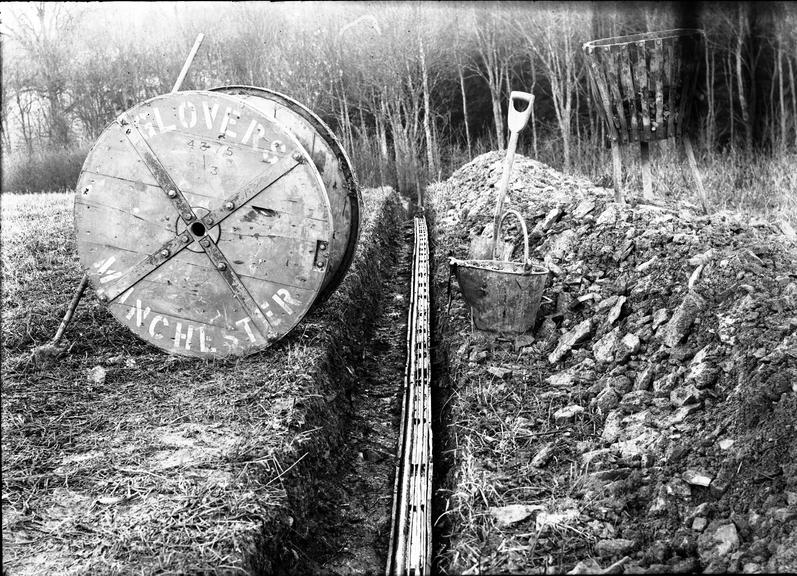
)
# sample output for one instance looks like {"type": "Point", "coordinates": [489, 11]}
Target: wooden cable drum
{"type": "Point", "coordinates": [204, 222]}
{"type": "Point", "coordinates": [645, 83]}
{"type": "Point", "coordinates": [333, 164]}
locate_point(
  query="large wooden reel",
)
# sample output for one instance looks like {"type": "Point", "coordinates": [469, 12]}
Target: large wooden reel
{"type": "Point", "coordinates": [333, 164]}
{"type": "Point", "coordinates": [204, 223]}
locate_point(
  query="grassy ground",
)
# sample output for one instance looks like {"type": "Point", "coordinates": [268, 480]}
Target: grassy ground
{"type": "Point", "coordinates": [121, 459]}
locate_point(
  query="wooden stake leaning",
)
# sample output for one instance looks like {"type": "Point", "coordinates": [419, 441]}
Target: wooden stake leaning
{"type": "Point", "coordinates": [84, 282]}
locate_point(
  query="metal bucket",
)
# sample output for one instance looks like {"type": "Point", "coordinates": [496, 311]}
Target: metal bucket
{"type": "Point", "coordinates": [644, 84]}
{"type": "Point", "coordinates": [503, 296]}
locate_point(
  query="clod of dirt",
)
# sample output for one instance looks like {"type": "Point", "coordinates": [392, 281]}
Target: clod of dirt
{"type": "Point", "coordinates": [96, 375]}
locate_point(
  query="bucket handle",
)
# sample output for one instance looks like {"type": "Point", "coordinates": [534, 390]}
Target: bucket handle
{"type": "Point", "coordinates": [522, 220]}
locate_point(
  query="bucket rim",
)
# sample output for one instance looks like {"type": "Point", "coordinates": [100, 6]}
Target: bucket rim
{"type": "Point", "coordinates": [489, 265]}
{"type": "Point", "coordinates": [642, 37]}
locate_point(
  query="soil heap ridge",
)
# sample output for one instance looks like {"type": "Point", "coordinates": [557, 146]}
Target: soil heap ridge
{"type": "Point", "coordinates": [649, 418]}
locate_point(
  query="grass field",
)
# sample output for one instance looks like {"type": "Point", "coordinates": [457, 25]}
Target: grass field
{"type": "Point", "coordinates": [118, 458]}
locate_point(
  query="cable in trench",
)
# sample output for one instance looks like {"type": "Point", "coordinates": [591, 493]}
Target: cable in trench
{"type": "Point", "coordinates": [410, 549]}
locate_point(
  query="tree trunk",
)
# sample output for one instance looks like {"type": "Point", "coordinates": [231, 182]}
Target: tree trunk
{"type": "Point", "coordinates": [533, 122]}
{"type": "Point", "coordinates": [711, 121]}
{"type": "Point", "coordinates": [730, 100]}
{"type": "Point", "coordinates": [380, 118]}
{"type": "Point", "coordinates": [464, 108]}
{"type": "Point", "coordinates": [748, 129]}
{"type": "Point", "coordinates": [427, 112]}
{"type": "Point", "coordinates": [793, 99]}
{"type": "Point", "coordinates": [499, 121]}
{"type": "Point", "coordinates": [25, 123]}
{"type": "Point", "coordinates": [782, 98]}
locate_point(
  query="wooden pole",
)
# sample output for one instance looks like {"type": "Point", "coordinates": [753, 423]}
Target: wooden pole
{"type": "Point", "coordinates": [188, 62]}
{"type": "Point", "coordinates": [84, 282]}
{"type": "Point", "coordinates": [690, 156]}
{"type": "Point", "coordinates": [71, 310]}
{"type": "Point", "coordinates": [647, 180]}
{"type": "Point", "coordinates": [617, 165]}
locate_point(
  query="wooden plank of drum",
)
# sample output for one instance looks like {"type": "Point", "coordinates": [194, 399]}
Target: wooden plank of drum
{"type": "Point", "coordinates": [666, 54]}
{"type": "Point", "coordinates": [657, 72]}
{"type": "Point", "coordinates": [640, 68]}
{"type": "Point", "coordinates": [597, 75]}
{"type": "Point", "coordinates": [610, 59]}
{"type": "Point", "coordinates": [692, 45]}
{"type": "Point", "coordinates": [603, 90]}
{"type": "Point", "coordinates": [675, 87]}
{"type": "Point", "coordinates": [687, 73]}
{"type": "Point", "coordinates": [626, 75]}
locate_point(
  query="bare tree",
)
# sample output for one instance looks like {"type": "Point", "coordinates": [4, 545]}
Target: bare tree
{"type": "Point", "coordinates": [492, 53]}
{"type": "Point", "coordinates": [552, 35]}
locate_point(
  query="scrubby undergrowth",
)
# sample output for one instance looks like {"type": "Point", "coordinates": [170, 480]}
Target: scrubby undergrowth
{"type": "Point", "coordinates": [647, 423]}
{"type": "Point", "coordinates": [120, 458]}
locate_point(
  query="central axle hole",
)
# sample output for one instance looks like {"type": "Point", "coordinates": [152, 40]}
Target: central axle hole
{"type": "Point", "coordinates": [198, 229]}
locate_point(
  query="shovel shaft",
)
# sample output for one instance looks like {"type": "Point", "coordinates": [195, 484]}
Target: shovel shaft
{"type": "Point", "coordinates": [516, 121]}
{"type": "Point", "coordinates": [499, 207]}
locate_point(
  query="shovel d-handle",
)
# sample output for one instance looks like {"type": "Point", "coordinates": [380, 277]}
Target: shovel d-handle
{"type": "Point", "coordinates": [516, 121]}
{"type": "Point", "coordinates": [525, 230]}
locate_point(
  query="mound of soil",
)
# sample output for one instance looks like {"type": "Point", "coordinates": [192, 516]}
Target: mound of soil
{"type": "Point", "coordinates": [647, 424]}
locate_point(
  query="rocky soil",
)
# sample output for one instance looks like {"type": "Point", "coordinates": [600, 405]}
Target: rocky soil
{"type": "Point", "coordinates": [647, 423]}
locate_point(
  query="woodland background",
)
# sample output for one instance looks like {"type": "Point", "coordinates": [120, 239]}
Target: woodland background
{"type": "Point", "coordinates": [413, 90]}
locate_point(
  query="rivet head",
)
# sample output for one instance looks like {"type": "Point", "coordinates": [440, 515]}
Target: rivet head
{"type": "Point", "coordinates": [323, 246]}
{"type": "Point", "coordinates": [208, 220]}
{"type": "Point", "coordinates": [320, 265]}
{"type": "Point", "coordinates": [165, 253]}
{"type": "Point", "coordinates": [229, 205]}
{"type": "Point", "coordinates": [185, 238]}
{"type": "Point", "coordinates": [221, 266]}
{"type": "Point", "coordinates": [171, 193]}
{"type": "Point", "coordinates": [188, 216]}
{"type": "Point", "coordinates": [297, 156]}
{"type": "Point", "coordinates": [205, 242]}
{"type": "Point", "coordinates": [102, 296]}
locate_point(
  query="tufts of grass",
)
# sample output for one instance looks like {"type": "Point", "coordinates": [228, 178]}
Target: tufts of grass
{"type": "Point", "coordinates": [759, 184]}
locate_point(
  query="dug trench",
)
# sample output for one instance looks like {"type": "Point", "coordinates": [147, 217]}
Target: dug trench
{"type": "Point", "coordinates": [338, 517]}
{"type": "Point", "coordinates": [281, 462]}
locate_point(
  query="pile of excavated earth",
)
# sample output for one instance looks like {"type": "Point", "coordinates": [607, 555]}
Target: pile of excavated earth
{"type": "Point", "coordinates": [647, 423]}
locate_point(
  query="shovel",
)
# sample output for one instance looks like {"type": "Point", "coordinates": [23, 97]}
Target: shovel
{"type": "Point", "coordinates": [516, 121]}
{"type": "Point", "coordinates": [482, 248]}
